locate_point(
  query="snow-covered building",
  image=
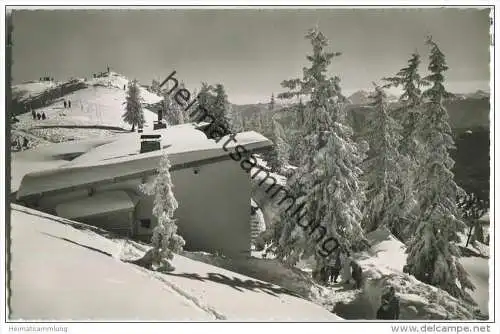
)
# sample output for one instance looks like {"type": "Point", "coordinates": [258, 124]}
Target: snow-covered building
{"type": "Point", "coordinates": [97, 182]}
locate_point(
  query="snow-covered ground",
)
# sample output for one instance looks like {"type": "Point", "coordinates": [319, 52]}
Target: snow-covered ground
{"type": "Point", "coordinates": [382, 266]}
{"type": "Point", "coordinates": [478, 269]}
{"type": "Point", "coordinates": [96, 110]}
{"type": "Point", "coordinates": [23, 91]}
{"type": "Point", "coordinates": [64, 270]}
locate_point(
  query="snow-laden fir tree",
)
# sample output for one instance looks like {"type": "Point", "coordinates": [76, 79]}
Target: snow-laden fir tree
{"type": "Point", "coordinates": [134, 115]}
{"type": "Point", "coordinates": [155, 87]}
{"type": "Point", "coordinates": [205, 99]}
{"type": "Point", "coordinates": [300, 114]}
{"type": "Point", "coordinates": [278, 157]}
{"type": "Point", "coordinates": [327, 187]}
{"type": "Point", "coordinates": [220, 108]}
{"type": "Point", "coordinates": [172, 111]}
{"type": "Point", "coordinates": [382, 170]}
{"type": "Point", "coordinates": [165, 240]}
{"type": "Point", "coordinates": [433, 254]}
{"type": "Point", "coordinates": [296, 135]}
{"type": "Point", "coordinates": [408, 114]}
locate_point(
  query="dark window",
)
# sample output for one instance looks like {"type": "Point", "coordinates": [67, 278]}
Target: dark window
{"type": "Point", "coordinates": [146, 223]}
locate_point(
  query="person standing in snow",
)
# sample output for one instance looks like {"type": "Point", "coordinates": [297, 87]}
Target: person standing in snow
{"type": "Point", "coordinates": [38, 116]}
{"type": "Point", "coordinates": [357, 274]}
{"type": "Point", "coordinates": [345, 260]}
{"type": "Point", "coordinates": [33, 113]}
{"type": "Point", "coordinates": [389, 308]}
{"type": "Point", "coordinates": [64, 104]}
{"type": "Point", "coordinates": [336, 267]}
{"type": "Point", "coordinates": [69, 104]}
{"type": "Point", "coordinates": [43, 116]}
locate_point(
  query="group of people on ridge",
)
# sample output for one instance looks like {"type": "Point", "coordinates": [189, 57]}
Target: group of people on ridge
{"type": "Point", "coordinates": [67, 104]}
{"type": "Point", "coordinates": [38, 116]}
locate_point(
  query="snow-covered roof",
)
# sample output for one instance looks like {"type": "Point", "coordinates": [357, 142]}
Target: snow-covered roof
{"type": "Point", "coordinates": [120, 158]}
{"type": "Point", "coordinates": [109, 201]}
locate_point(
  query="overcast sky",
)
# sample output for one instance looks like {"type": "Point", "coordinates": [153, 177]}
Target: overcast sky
{"type": "Point", "coordinates": [249, 51]}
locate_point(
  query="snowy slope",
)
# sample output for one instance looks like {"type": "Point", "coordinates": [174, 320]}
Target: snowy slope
{"type": "Point", "coordinates": [66, 270]}
{"type": "Point", "coordinates": [479, 275]}
{"type": "Point", "coordinates": [23, 91]}
{"type": "Point", "coordinates": [98, 106]}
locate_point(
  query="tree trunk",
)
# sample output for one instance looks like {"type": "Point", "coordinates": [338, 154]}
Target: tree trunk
{"type": "Point", "coordinates": [469, 235]}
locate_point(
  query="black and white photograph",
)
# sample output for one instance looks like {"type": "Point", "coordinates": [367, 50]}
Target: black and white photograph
{"type": "Point", "coordinates": [250, 164]}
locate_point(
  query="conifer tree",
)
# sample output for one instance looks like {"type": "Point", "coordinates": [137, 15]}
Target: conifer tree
{"type": "Point", "coordinates": [296, 135]}
{"type": "Point", "coordinates": [167, 105]}
{"type": "Point", "coordinates": [173, 113]}
{"type": "Point", "coordinates": [155, 87]}
{"type": "Point", "coordinates": [278, 157]}
{"type": "Point", "coordinates": [272, 103]}
{"type": "Point", "coordinates": [408, 115]}
{"type": "Point", "coordinates": [165, 239]}
{"type": "Point", "coordinates": [256, 122]}
{"type": "Point", "coordinates": [300, 111]}
{"type": "Point", "coordinates": [220, 108]}
{"type": "Point", "coordinates": [134, 115]}
{"type": "Point", "coordinates": [205, 97]}
{"type": "Point", "coordinates": [383, 170]}
{"type": "Point", "coordinates": [433, 253]}
{"type": "Point", "coordinates": [327, 186]}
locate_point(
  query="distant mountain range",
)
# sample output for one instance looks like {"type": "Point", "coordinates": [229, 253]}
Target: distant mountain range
{"type": "Point", "coordinates": [362, 97]}
{"type": "Point", "coordinates": [479, 94]}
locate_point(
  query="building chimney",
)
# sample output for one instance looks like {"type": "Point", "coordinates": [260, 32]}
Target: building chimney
{"type": "Point", "coordinates": [150, 143]}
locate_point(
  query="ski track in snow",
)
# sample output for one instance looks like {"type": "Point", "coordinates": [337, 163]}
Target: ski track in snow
{"type": "Point", "coordinates": [185, 295]}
